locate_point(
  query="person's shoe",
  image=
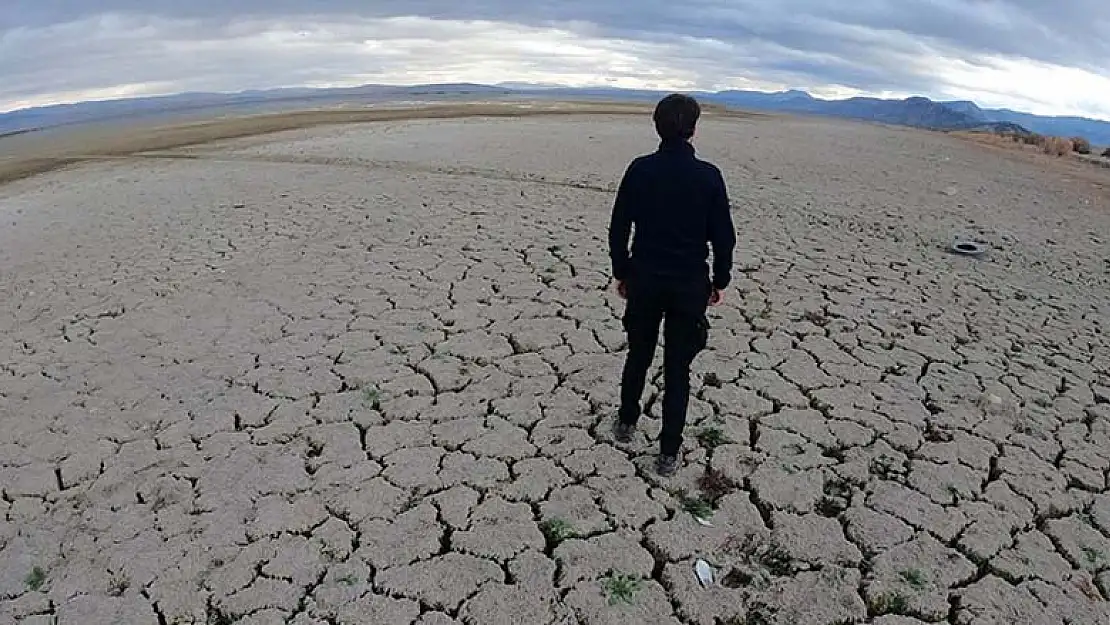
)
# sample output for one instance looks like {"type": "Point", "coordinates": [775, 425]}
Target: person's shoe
{"type": "Point", "coordinates": [623, 431]}
{"type": "Point", "coordinates": [666, 465]}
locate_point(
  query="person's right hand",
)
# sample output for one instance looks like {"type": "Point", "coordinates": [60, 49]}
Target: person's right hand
{"type": "Point", "coordinates": [716, 296]}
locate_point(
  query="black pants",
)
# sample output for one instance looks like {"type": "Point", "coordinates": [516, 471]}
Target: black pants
{"type": "Point", "coordinates": [682, 306]}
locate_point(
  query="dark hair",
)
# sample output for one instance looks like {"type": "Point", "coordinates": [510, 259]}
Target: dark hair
{"type": "Point", "coordinates": [676, 116]}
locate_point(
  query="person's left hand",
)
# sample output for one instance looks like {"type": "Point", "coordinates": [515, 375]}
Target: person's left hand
{"type": "Point", "coordinates": [716, 296]}
{"type": "Point", "coordinates": [622, 289]}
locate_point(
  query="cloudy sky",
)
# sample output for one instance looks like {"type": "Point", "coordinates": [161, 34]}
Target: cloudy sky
{"type": "Point", "coordinates": [1044, 56]}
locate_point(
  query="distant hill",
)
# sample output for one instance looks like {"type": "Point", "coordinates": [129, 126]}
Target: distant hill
{"type": "Point", "coordinates": [255, 101]}
{"type": "Point", "coordinates": [919, 112]}
{"type": "Point", "coordinates": [916, 111]}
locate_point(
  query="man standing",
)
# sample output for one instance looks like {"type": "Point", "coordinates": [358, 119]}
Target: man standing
{"type": "Point", "coordinates": [678, 204]}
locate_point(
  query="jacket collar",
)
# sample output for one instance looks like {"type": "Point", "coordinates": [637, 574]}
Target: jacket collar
{"type": "Point", "coordinates": [677, 146]}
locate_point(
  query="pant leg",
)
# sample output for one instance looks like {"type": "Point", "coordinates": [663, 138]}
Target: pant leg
{"type": "Point", "coordinates": [642, 317]}
{"type": "Point", "coordinates": [686, 332]}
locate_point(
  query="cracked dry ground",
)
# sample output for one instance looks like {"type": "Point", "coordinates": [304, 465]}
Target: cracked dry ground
{"type": "Point", "coordinates": [365, 375]}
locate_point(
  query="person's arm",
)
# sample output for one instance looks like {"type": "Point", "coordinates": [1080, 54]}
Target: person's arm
{"type": "Point", "coordinates": [722, 234]}
{"type": "Point", "coordinates": [620, 226]}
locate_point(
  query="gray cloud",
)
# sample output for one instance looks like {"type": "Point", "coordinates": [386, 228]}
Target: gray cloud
{"type": "Point", "coordinates": [867, 45]}
{"type": "Point", "coordinates": [1076, 32]}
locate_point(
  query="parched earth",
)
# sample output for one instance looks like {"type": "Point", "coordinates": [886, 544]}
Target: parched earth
{"type": "Point", "coordinates": [365, 375]}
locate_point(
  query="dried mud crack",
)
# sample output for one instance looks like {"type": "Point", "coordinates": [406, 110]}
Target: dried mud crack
{"type": "Point", "coordinates": [365, 374]}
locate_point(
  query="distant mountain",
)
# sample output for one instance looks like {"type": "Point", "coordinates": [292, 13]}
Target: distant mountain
{"type": "Point", "coordinates": [793, 96]}
{"type": "Point", "coordinates": [1097, 132]}
{"type": "Point", "coordinates": [915, 111]}
{"type": "Point", "coordinates": [919, 112]}
{"type": "Point", "coordinates": [967, 108]}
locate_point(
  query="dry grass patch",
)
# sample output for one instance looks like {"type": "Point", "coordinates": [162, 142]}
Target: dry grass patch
{"type": "Point", "coordinates": [1058, 146]}
{"type": "Point", "coordinates": [1081, 145]}
{"type": "Point", "coordinates": [1034, 139]}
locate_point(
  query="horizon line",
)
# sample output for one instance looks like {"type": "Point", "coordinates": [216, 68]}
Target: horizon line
{"type": "Point", "coordinates": [511, 86]}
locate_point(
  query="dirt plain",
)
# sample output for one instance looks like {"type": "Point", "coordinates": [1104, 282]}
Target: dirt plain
{"type": "Point", "coordinates": [364, 374]}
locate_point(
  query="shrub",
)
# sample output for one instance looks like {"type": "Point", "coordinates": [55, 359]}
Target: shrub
{"type": "Point", "coordinates": [1106, 154]}
{"type": "Point", "coordinates": [1034, 139]}
{"type": "Point", "coordinates": [1057, 146]}
{"type": "Point", "coordinates": [1081, 145]}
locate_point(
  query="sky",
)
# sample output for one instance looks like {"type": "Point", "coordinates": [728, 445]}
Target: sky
{"type": "Point", "coordinates": [1042, 56]}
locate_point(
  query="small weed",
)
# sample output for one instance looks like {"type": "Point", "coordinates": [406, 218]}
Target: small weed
{"type": "Point", "coordinates": [1088, 589]}
{"type": "Point", "coordinates": [836, 453]}
{"type": "Point", "coordinates": [794, 449]}
{"type": "Point", "coordinates": [889, 603]}
{"type": "Point", "coordinates": [914, 577]}
{"type": "Point", "coordinates": [776, 560]}
{"type": "Point", "coordinates": [831, 507]}
{"type": "Point", "coordinates": [1092, 556]}
{"type": "Point", "coordinates": [737, 545]}
{"type": "Point", "coordinates": [118, 585]}
{"type": "Point", "coordinates": [620, 587]}
{"type": "Point", "coordinates": [557, 530]}
{"type": "Point", "coordinates": [1042, 401]}
{"type": "Point", "coordinates": [415, 498]}
{"type": "Point", "coordinates": [712, 438]}
{"type": "Point", "coordinates": [347, 580]}
{"type": "Point", "coordinates": [712, 380]}
{"type": "Point", "coordinates": [816, 317]}
{"type": "Point", "coordinates": [697, 506]}
{"type": "Point", "coordinates": [330, 553]}
{"type": "Point", "coordinates": [315, 449]}
{"type": "Point", "coordinates": [217, 616]}
{"type": "Point", "coordinates": [716, 485]}
{"type": "Point", "coordinates": [937, 434]}
{"type": "Point", "coordinates": [838, 487]}
{"type": "Point", "coordinates": [884, 466]}
{"type": "Point", "coordinates": [737, 578]}
{"type": "Point", "coordinates": [36, 578]}
{"type": "Point", "coordinates": [372, 397]}
{"type": "Point", "coordinates": [954, 493]}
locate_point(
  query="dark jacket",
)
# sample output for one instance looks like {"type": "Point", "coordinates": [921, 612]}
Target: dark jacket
{"type": "Point", "coordinates": [678, 204]}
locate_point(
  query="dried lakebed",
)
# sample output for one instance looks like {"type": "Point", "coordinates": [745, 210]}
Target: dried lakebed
{"type": "Point", "coordinates": [365, 375]}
